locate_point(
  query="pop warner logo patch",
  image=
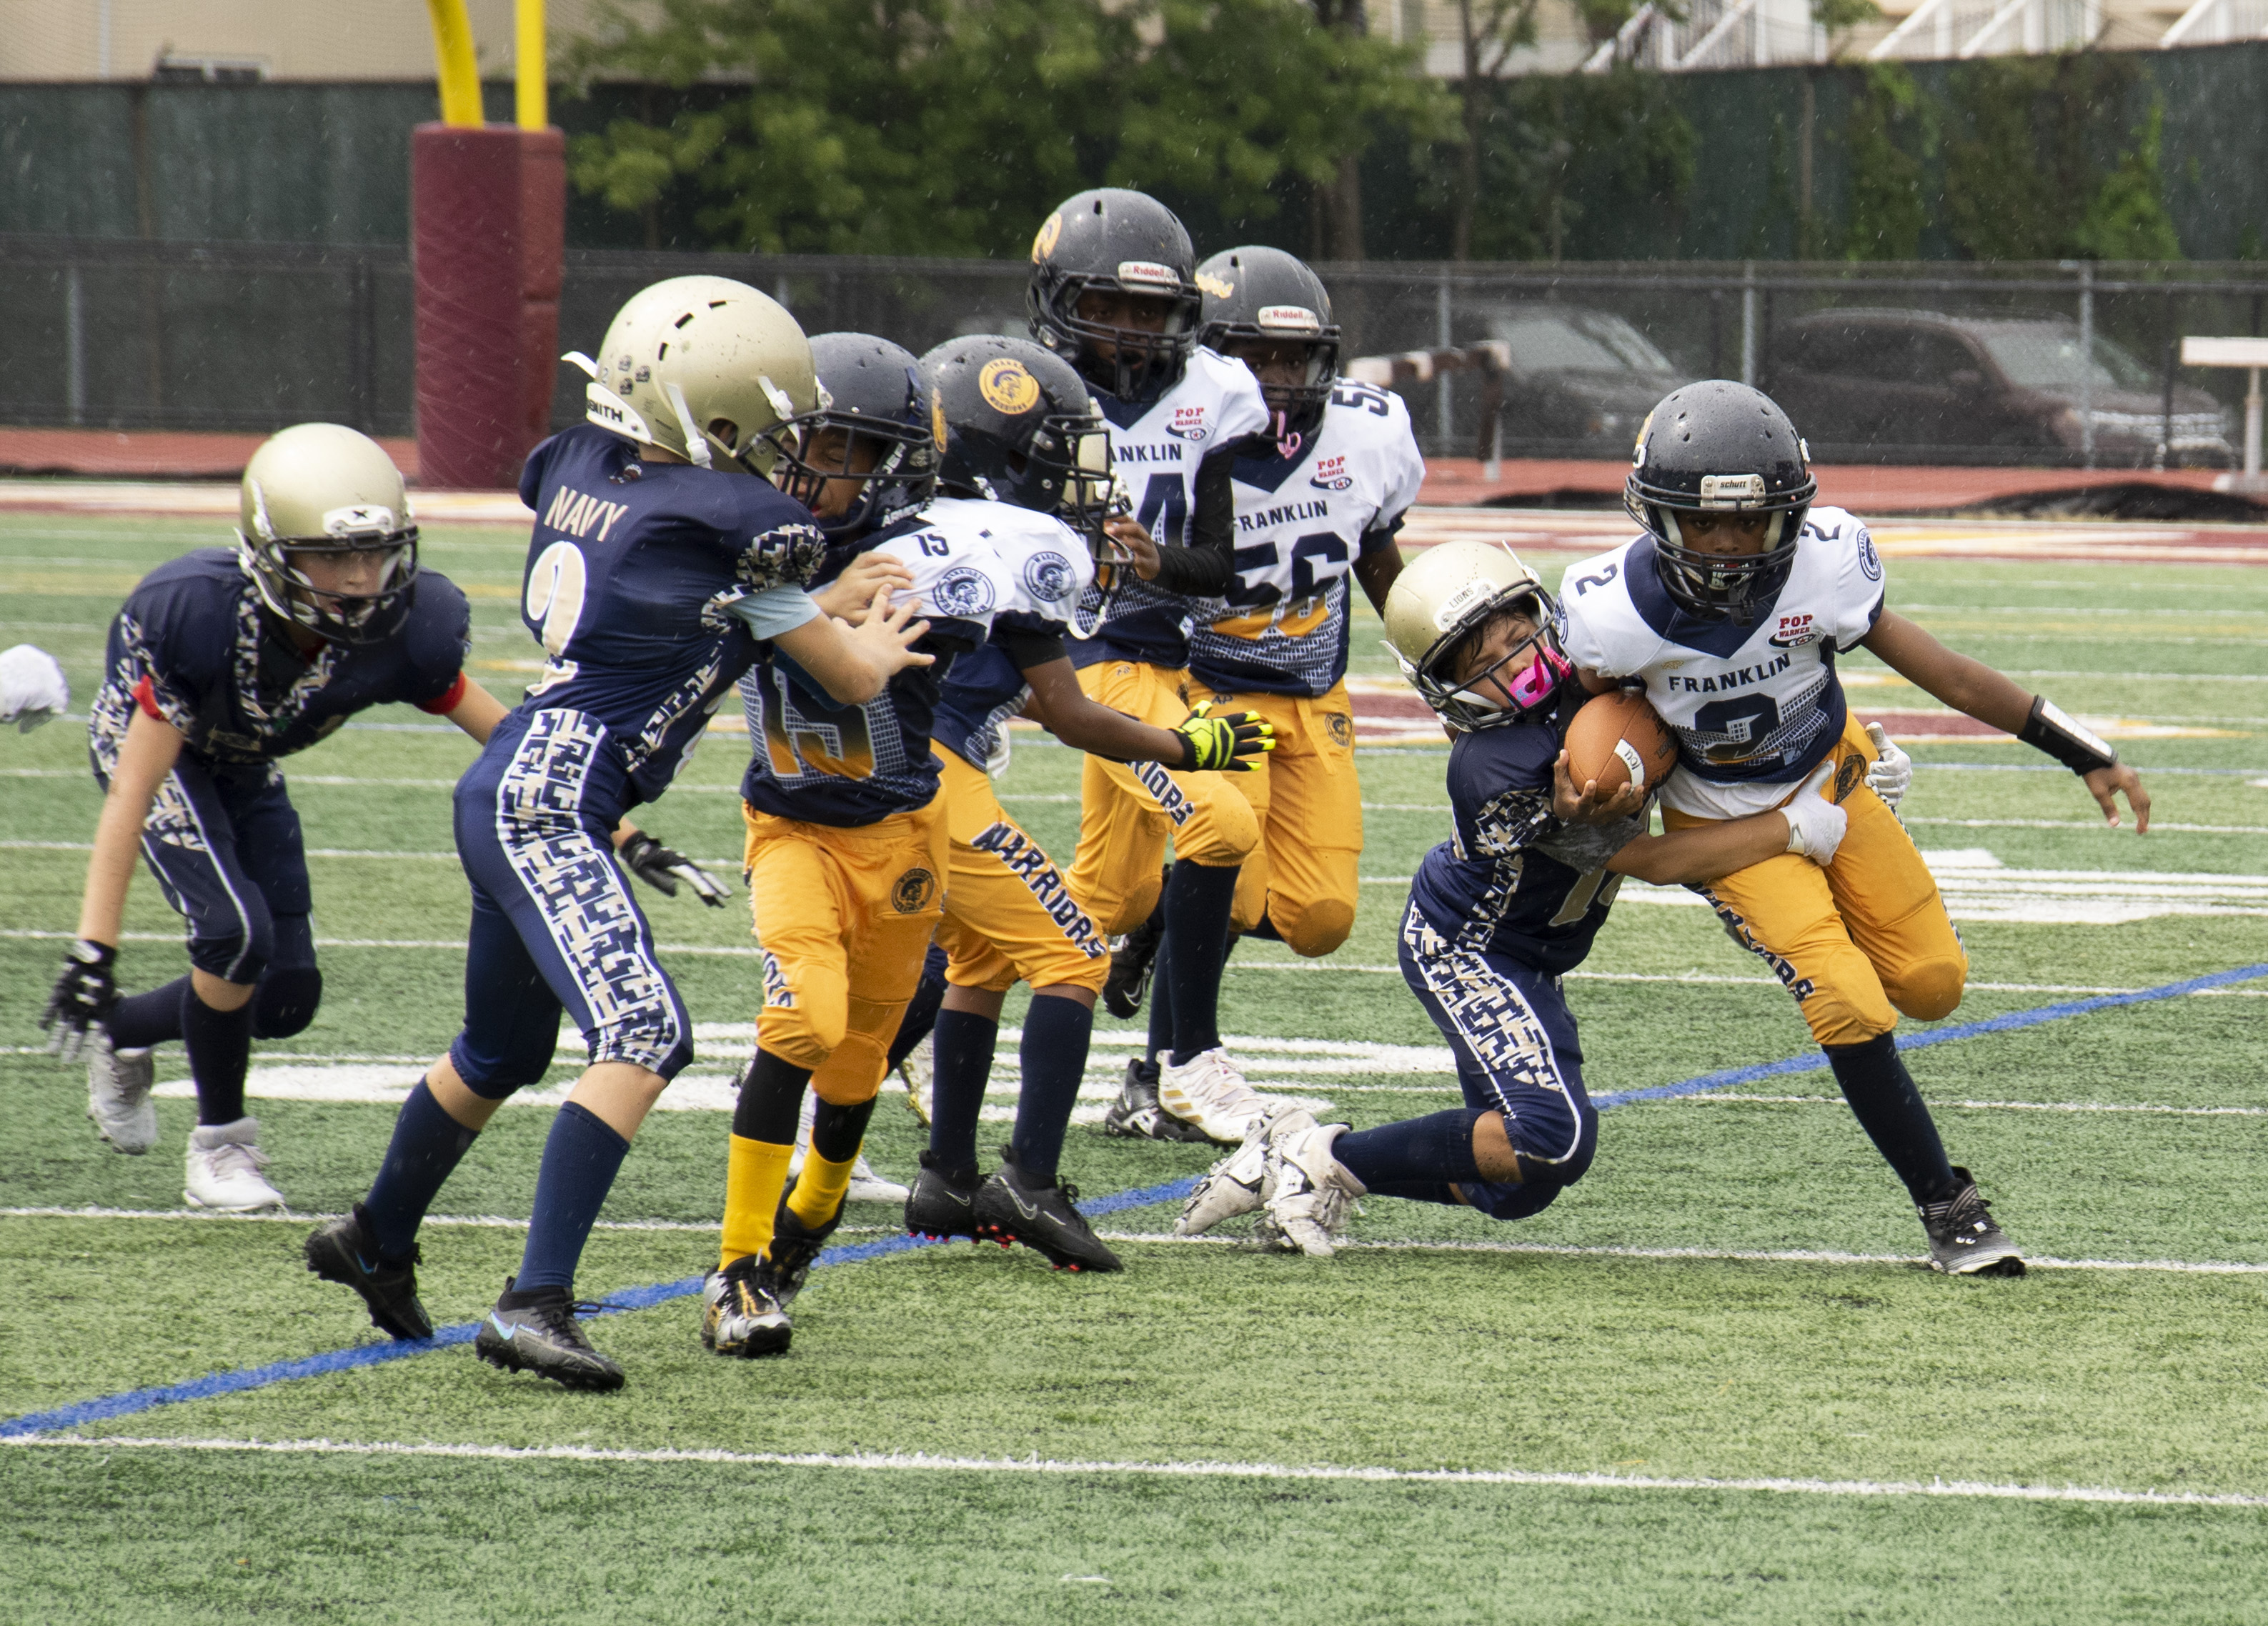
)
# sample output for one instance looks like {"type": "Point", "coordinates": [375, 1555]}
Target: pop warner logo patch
{"type": "Point", "coordinates": [1331, 475]}
{"type": "Point", "coordinates": [1188, 423]}
{"type": "Point", "coordinates": [1794, 632]}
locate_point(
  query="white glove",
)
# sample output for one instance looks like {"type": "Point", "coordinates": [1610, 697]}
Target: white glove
{"type": "Point", "coordinates": [1815, 825]}
{"type": "Point", "coordinates": [1892, 770]}
{"type": "Point", "coordinates": [31, 687]}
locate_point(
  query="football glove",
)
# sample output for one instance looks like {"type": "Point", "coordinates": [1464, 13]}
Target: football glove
{"type": "Point", "coordinates": [1815, 825]}
{"type": "Point", "coordinates": [1221, 744]}
{"type": "Point", "coordinates": [31, 687]}
{"type": "Point", "coordinates": [84, 993]}
{"type": "Point", "coordinates": [662, 867]}
{"type": "Point", "coordinates": [1893, 768]}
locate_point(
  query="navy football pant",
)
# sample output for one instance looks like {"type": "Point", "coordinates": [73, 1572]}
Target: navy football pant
{"type": "Point", "coordinates": [1514, 1041]}
{"type": "Point", "coordinates": [554, 927]}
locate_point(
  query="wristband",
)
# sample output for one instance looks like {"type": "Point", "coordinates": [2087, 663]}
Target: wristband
{"type": "Point", "coordinates": [87, 952]}
{"type": "Point", "coordinates": [2050, 730]}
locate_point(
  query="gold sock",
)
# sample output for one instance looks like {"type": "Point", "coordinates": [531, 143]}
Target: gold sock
{"type": "Point", "coordinates": [755, 1174]}
{"type": "Point", "coordinates": [819, 1188]}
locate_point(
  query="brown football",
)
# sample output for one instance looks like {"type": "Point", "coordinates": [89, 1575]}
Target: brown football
{"type": "Point", "coordinates": [1617, 739]}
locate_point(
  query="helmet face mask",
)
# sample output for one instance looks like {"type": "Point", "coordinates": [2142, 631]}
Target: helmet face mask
{"type": "Point", "coordinates": [1719, 448]}
{"type": "Point", "coordinates": [1261, 303]}
{"type": "Point", "coordinates": [316, 497]}
{"type": "Point", "coordinates": [1112, 247]}
{"type": "Point", "coordinates": [875, 427]}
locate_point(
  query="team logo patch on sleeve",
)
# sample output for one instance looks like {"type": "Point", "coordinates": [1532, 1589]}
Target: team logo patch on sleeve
{"type": "Point", "coordinates": [1869, 561]}
{"type": "Point", "coordinates": [963, 591]}
{"type": "Point", "coordinates": [1048, 577]}
{"type": "Point", "coordinates": [1008, 386]}
{"type": "Point", "coordinates": [913, 892]}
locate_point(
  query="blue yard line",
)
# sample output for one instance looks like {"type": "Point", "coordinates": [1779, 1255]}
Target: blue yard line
{"type": "Point", "coordinates": [2057, 768]}
{"type": "Point", "coordinates": [218, 1383]}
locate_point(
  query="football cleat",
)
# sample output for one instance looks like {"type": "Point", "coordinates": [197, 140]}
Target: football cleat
{"type": "Point", "coordinates": [795, 1248]}
{"type": "Point", "coordinates": [740, 1310]}
{"type": "Point", "coordinates": [1011, 1207]}
{"type": "Point", "coordinates": [118, 1095]}
{"type": "Point", "coordinates": [344, 1252]}
{"type": "Point", "coordinates": [1210, 1093]}
{"type": "Point", "coordinates": [1135, 1114]}
{"type": "Point", "coordinates": [916, 1072]}
{"type": "Point", "coordinates": [1132, 957]}
{"type": "Point", "coordinates": [1962, 1239]}
{"type": "Point", "coordinates": [940, 1206]}
{"type": "Point", "coordinates": [545, 1338]}
{"type": "Point", "coordinates": [1309, 1194]}
{"type": "Point", "coordinates": [1236, 1185]}
{"type": "Point", "coordinates": [224, 1166]}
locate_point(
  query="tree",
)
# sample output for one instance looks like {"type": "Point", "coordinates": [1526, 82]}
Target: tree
{"type": "Point", "coordinates": [1488, 33]}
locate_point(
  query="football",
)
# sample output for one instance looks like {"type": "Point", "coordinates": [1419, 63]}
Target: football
{"type": "Point", "coordinates": [1617, 739]}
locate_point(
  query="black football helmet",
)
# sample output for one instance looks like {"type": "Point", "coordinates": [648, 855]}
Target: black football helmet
{"type": "Point", "coordinates": [1019, 428]}
{"type": "Point", "coordinates": [1264, 295]}
{"type": "Point", "coordinates": [1118, 241]}
{"type": "Point", "coordinates": [1720, 447]}
{"type": "Point", "coordinates": [874, 391]}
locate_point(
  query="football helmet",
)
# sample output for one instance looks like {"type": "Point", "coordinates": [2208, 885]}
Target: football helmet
{"type": "Point", "coordinates": [1019, 428]}
{"type": "Point", "coordinates": [872, 390]}
{"type": "Point", "coordinates": [1717, 447]}
{"type": "Point", "coordinates": [325, 488]}
{"type": "Point", "coordinates": [1110, 239]}
{"type": "Point", "coordinates": [686, 355]}
{"type": "Point", "coordinates": [1264, 295]}
{"type": "Point", "coordinates": [1449, 592]}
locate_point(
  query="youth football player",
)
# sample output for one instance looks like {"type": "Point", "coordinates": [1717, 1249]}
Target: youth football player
{"type": "Point", "coordinates": [1730, 612]}
{"type": "Point", "coordinates": [659, 567]}
{"type": "Point", "coordinates": [220, 663]}
{"type": "Point", "coordinates": [1498, 915]}
{"type": "Point", "coordinates": [1113, 291]}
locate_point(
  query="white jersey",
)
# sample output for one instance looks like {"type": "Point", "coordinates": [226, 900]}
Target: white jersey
{"type": "Point", "coordinates": [1301, 520]}
{"type": "Point", "coordinates": [1756, 708]}
{"type": "Point", "coordinates": [1156, 449]}
{"type": "Point", "coordinates": [1045, 566]}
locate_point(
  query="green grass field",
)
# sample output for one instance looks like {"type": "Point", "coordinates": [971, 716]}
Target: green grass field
{"type": "Point", "coordinates": [1713, 1383]}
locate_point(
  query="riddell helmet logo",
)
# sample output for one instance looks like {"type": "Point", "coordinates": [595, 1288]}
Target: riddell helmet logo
{"type": "Point", "coordinates": [1188, 423]}
{"type": "Point", "coordinates": [1289, 319]}
{"type": "Point", "coordinates": [1149, 273]}
{"type": "Point", "coordinates": [1331, 475]}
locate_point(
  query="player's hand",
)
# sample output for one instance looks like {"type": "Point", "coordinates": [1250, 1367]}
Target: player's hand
{"type": "Point", "coordinates": [1892, 772]}
{"type": "Point", "coordinates": [1815, 825]}
{"type": "Point", "coordinates": [887, 632]}
{"type": "Point", "coordinates": [1223, 744]}
{"type": "Point", "coordinates": [850, 595]}
{"type": "Point", "coordinates": [83, 995]}
{"type": "Point", "coordinates": [32, 688]}
{"type": "Point", "coordinates": [1587, 805]}
{"type": "Point", "coordinates": [1133, 545]}
{"type": "Point", "coordinates": [662, 867]}
{"type": "Point", "coordinates": [2104, 785]}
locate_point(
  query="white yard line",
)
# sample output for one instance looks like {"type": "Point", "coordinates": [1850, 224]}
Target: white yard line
{"type": "Point", "coordinates": [923, 1462]}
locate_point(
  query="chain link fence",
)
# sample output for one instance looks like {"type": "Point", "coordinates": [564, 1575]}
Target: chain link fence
{"type": "Point", "coordinates": [2056, 364]}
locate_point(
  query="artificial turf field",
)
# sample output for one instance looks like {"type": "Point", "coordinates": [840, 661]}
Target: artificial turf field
{"type": "Point", "coordinates": [1712, 1383]}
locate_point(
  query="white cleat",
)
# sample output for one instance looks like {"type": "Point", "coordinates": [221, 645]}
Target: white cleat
{"type": "Point", "coordinates": [224, 1169]}
{"type": "Point", "coordinates": [118, 1095]}
{"type": "Point", "coordinates": [1309, 1192]}
{"type": "Point", "coordinates": [1236, 1185]}
{"type": "Point", "coordinates": [917, 1072]}
{"type": "Point", "coordinates": [1210, 1093]}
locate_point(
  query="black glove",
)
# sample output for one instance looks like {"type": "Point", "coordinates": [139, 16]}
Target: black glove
{"type": "Point", "coordinates": [662, 867]}
{"type": "Point", "coordinates": [84, 994]}
{"type": "Point", "coordinates": [1221, 744]}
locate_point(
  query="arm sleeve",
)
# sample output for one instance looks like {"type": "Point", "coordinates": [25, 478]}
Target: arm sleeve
{"type": "Point", "coordinates": [440, 641]}
{"type": "Point", "coordinates": [1380, 536]}
{"type": "Point", "coordinates": [1028, 646]}
{"type": "Point", "coordinates": [774, 610]}
{"type": "Point", "coordinates": [1201, 569]}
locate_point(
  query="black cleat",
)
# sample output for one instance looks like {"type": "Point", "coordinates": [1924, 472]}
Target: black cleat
{"type": "Point", "coordinates": [941, 1206]}
{"type": "Point", "coordinates": [1132, 959]}
{"type": "Point", "coordinates": [742, 1313]}
{"type": "Point", "coordinates": [1136, 1115]}
{"type": "Point", "coordinates": [795, 1248]}
{"type": "Point", "coordinates": [1011, 1207]}
{"type": "Point", "coordinates": [545, 1338]}
{"type": "Point", "coordinates": [1962, 1239]}
{"type": "Point", "coordinates": [344, 1252]}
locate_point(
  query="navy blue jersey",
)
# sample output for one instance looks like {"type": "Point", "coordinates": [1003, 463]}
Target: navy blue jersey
{"type": "Point", "coordinates": [194, 647]}
{"type": "Point", "coordinates": [633, 574]}
{"type": "Point", "coordinates": [1513, 879]}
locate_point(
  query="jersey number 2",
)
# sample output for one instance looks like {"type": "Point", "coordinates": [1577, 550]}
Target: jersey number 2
{"type": "Point", "coordinates": [556, 585]}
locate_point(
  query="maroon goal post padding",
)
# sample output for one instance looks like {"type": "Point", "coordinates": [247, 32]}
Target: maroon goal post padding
{"type": "Point", "coordinates": [488, 207]}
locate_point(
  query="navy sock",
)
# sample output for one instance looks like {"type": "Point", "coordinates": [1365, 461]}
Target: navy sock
{"type": "Point", "coordinates": [1161, 1007]}
{"type": "Point", "coordinates": [965, 1043]}
{"type": "Point", "coordinates": [1197, 903]}
{"type": "Point", "coordinates": [1890, 1109]}
{"type": "Point", "coordinates": [921, 1011]}
{"type": "Point", "coordinates": [838, 1132]}
{"type": "Point", "coordinates": [1419, 1191]}
{"type": "Point", "coordinates": [771, 1103]}
{"type": "Point", "coordinates": [1266, 931]}
{"type": "Point", "coordinates": [1056, 1030]}
{"type": "Point", "coordinates": [1434, 1150]}
{"type": "Point", "coordinates": [140, 1020]}
{"type": "Point", "coordinates": [580, 1161]}
{"type": "Point", "coordinates": [220, 1053]}
{"type": "Point", "coordinates": [427, 1145]}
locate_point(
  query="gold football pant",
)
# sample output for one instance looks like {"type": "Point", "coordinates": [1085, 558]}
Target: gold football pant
{"type": "Point", "coordinates": [1858, 941]}
{"type": "Point", "coordinates": [1129, 810]}
{"type": "Point", "coordinates": [1308, 804]}
{"type": "Point", "coordinates": [844, 916]}
{"type": "Point", "coordinates": [1009, 913]}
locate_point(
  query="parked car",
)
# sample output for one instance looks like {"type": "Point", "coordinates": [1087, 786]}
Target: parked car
{"type": "Point", "coordinates": [1924, 386]}
{"type": "Point", "coordinates": [1581, 379]}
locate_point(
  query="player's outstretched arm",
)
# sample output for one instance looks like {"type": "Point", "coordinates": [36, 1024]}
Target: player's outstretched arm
{"type": "Point", "coordinates": [852, 664]}
{"type": "Point", "coordinates": [1222, 743]}
{"type": "Point", "coordinates": [477, 712]}
{"type": "Point", "coordinates": [1974, 687]}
